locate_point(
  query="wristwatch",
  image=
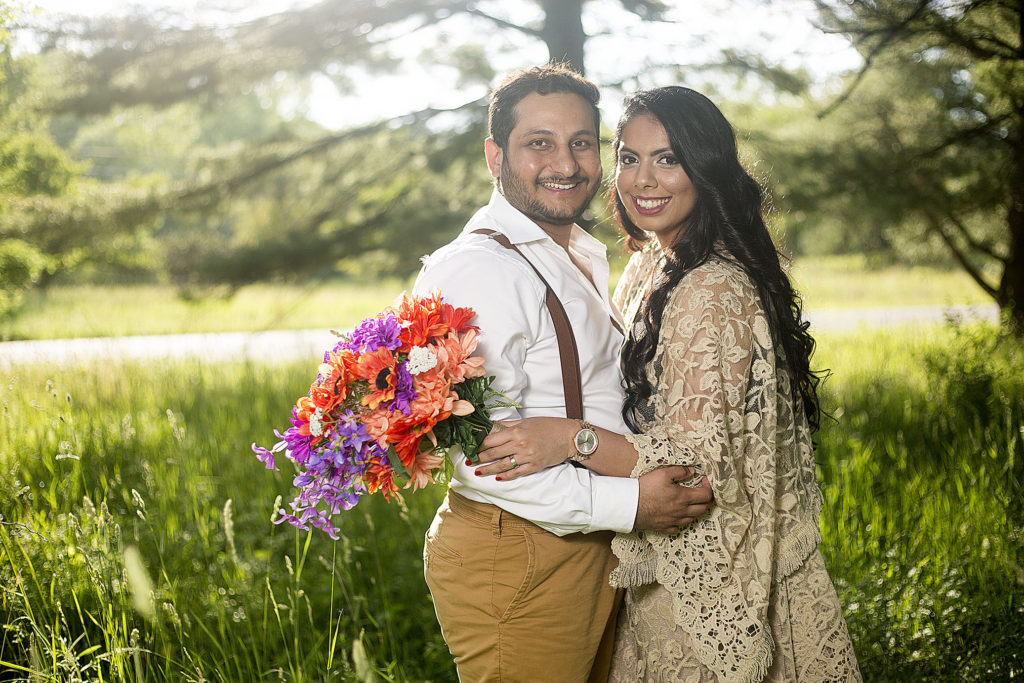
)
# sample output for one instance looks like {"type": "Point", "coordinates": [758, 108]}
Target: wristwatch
{"type": "Point", "coordinates": [585, 442]}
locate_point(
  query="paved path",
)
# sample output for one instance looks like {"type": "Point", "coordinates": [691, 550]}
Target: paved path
{"type": "Point", "coordinates": [294, 344]}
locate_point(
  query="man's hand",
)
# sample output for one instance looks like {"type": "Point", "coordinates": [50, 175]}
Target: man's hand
{"type": "Point", "coordinates": [666, 506]}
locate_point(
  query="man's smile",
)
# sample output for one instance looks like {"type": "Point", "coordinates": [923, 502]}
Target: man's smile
{"type": "Point", "coordinates": [560, 185]}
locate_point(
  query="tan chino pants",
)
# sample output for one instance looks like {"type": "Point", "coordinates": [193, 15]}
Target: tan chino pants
{"type": "Point", "coordinates": [516, 602]}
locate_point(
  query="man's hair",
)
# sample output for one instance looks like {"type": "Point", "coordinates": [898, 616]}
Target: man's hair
{"type": "Point", "coordinates": [543, 80]}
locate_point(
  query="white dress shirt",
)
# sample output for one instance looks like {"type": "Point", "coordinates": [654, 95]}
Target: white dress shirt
{"type": "Point", "coordinates": [518, 343]}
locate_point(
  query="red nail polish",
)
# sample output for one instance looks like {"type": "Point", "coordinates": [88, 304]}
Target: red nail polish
{"type": "Point", "coordinates": [497, 479]}
{"type": "Point", "coordinates": [477, 473]}
{"type": "Point", "coordinates": [468, 461]}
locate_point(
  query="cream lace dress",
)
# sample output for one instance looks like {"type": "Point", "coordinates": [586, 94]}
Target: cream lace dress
{"type": "Point", "coordinates": [742, 594]}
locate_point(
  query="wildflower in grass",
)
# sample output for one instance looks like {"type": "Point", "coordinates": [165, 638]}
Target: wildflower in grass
{"type": "Point", "coordinates": [387, 400]}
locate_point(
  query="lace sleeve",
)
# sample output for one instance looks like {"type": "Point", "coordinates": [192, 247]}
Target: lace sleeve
{"type": "Point", "coordinates": [714, 376]}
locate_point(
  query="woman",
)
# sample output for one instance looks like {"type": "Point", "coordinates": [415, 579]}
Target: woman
{"type": "Point", "coordinates": [717, 375]}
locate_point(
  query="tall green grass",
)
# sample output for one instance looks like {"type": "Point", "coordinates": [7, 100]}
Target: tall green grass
{"type": "Point", "coordinates": [136, 541]}
{"type": "Point", "coordinates": [105, 465]}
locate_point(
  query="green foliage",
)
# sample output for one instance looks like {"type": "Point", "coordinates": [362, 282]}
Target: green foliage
{"type": "Point", "coordinates": [21, 267]}
{"type": "Point", "coordinates": [32, 163]}
{"type": "Point", "coordinates": [922, 156]}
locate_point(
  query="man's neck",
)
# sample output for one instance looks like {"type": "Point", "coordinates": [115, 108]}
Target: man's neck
{"type": "Point", "coordinates": [561, 234]}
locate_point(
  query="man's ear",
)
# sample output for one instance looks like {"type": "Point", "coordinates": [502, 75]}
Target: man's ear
{"type": "Point", "coordinates": [494, 156]}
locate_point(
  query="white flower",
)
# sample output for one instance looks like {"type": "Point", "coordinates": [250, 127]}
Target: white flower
{"type": "Point", "coordinates": [315, 427]}
{"type": "Point", "coordinates": [420, 360]}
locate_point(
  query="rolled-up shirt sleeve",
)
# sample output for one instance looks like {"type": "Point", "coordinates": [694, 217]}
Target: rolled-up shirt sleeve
{"type": "Point", "coordinates": [509, 302]}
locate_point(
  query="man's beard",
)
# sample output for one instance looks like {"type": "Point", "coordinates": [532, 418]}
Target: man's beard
{"type": "Point", "coordinates": [516, 192]}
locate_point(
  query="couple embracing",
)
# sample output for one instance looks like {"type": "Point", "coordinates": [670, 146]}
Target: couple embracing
{"type": "Point", "coordinates": [649, 510]}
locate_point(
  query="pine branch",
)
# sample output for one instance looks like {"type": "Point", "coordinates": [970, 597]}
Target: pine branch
{"type": "Point", "coordinates": [535, 33]}
{"type": "Point", "coordinates": [936, 224]}
{"type": "Point", "coordinates": [319, 146]}
{"type": "Point", "coordinates": [889, 35]}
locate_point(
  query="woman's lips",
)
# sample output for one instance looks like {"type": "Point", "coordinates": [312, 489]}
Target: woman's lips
{"type": "Point", "coordinates": [649, 206]}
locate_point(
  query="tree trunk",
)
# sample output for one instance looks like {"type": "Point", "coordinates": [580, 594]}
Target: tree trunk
{"type": "Point", "coordinates": [1011, 286]}
{"type": "Point", "coordinates": [563, 31]}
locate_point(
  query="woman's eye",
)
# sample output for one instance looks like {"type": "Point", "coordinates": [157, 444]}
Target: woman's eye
{"type": "Point", "coordinates": [626, 160]}
{"type": "Point", "coordinates": [669, 160]}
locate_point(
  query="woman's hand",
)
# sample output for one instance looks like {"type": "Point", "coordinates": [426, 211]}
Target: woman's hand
{"type": "Point", "coordinates": [519, 447]}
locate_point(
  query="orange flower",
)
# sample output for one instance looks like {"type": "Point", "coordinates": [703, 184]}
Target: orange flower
{"type": "Point", "coordinates": [421, 469]}
{"type": "Point", "coordinates": [304, 407]}
{"type": "Point", "coordinates": [455, 357]}
{"type": "Point", "coordinates": [421, 319]}
{"type": "Point", "coordinates": [378, 368]}
{"type": "Point", "coordinates": [432, 389]}
{"type": "Point", "coordinates": [378, 478]}
{"type": "Point", "coordinates": [457, 318]}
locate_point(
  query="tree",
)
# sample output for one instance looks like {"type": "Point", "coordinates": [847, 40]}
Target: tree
{"type": "Point", "coordinates": [236, 217]}
{"type": "Point", "coordinates": [949, 131]}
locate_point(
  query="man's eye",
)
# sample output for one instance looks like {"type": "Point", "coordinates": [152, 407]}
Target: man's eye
{"type": "Point", "coordinates": [581, 144]}
{"type": "Point", "coordinates": [539, 143]}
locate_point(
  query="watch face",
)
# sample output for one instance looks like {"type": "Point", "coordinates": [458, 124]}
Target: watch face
{"type": "Point", "coordinates": [586, 441]}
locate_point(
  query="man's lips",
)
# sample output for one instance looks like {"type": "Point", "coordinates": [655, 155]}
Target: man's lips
{"type": "Point", "coordinates": [561, 186]}
{"type": "Point", "coordinates": [649, 206]}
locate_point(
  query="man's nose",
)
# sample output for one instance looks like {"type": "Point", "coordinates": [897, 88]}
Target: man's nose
{"type": "Point", "coordinates": [564, 162]}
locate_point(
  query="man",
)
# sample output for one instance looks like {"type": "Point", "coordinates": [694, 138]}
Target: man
{"type": "Point", "coordinates": [519, 569]}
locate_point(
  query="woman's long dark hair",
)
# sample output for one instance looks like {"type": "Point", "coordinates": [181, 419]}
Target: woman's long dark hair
{"type": "Point", "coordinates": [727, 222]}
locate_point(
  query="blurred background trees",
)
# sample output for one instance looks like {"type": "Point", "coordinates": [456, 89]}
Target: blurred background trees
{"type": "Point", "coordinates": [150, 147]}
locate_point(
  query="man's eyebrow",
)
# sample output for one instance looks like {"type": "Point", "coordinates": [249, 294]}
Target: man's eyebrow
{"type": "Point", "coordinates": [545, 131]}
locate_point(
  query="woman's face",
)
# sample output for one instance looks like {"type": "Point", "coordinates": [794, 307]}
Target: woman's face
{"type": "Point", "coordinates": [651, 183]}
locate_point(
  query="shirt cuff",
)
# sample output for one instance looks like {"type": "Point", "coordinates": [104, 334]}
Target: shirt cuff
{"type": "Point", "coordinates": [614, 502]}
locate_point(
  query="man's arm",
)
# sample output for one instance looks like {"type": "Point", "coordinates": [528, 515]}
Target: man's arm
{"type": "Point", "coordinates": [509, 303]}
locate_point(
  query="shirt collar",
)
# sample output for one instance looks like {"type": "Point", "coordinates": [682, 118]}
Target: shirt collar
{"type": "Point", "coordinates": [520, 229]}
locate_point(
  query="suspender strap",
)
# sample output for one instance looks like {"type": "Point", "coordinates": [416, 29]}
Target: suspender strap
{"type": "Point", "coordinates": [570, 357]}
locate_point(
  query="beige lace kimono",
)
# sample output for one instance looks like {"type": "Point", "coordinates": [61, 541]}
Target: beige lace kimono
{"type": "Point", "coordinates": [741, 594]}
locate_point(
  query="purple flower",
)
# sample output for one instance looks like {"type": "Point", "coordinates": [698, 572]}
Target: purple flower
{"type": "Point", "coordinates": [374, 333]}
{"type": "Point", "coordinates": [404, 393]}
{"type": "Point", "coordinates": [330, 475]}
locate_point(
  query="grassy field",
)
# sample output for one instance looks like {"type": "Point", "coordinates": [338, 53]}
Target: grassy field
{"type": "Point", "coordinates": [91, 311]}
{"type": "Point", "coordinates": [136, 541]}
{"type": "Point", "coordinates": [98, 311]}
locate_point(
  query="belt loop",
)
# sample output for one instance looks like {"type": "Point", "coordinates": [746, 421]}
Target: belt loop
{"type": "Point", "coordinates": [496, 522]}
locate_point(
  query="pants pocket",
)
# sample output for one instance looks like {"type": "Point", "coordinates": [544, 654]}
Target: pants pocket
{"type": "Point", "coordinates": [512, 571]}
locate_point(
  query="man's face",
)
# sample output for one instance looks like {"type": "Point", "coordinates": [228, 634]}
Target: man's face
{"type": "Point", "coordinates": [551, 167]}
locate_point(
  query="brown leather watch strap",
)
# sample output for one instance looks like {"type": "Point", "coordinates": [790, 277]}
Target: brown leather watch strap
{"type": "Point", "coordinates": [571, 382]}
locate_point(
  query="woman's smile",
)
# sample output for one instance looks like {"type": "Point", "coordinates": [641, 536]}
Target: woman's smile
{"type": "Point", "coordinates": [650, 206]}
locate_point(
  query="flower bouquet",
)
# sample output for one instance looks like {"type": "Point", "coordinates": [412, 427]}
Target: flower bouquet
{"type": "Point", "coordinates": [387, 402]}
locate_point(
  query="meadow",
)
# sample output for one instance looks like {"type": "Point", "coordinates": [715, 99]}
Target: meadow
{"type": "Point", "coordinates": [63, 311]}
{"type": "Point", "coordinates": [136, 542]}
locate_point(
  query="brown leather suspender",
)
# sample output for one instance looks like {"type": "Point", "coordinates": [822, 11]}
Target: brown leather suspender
{"type": "Point", "coordinates": [571, 382]}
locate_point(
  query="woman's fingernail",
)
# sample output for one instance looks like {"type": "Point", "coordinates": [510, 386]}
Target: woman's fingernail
{"type": "Point", "coordinates": [468, 461]}
{"type": "Point", "coordinates": [477, 473]}
{"type": "Point", "coordinates": [497, 479]}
